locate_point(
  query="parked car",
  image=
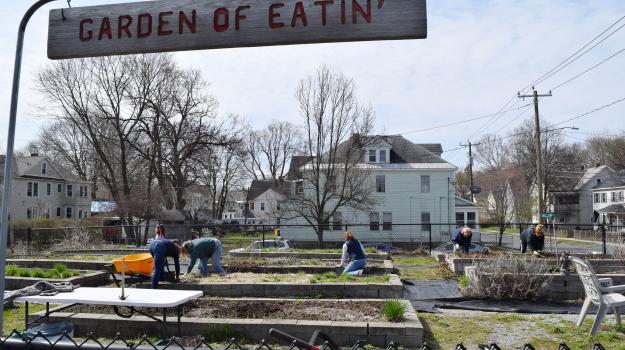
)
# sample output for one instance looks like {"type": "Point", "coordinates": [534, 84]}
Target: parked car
{"type": "Point", "coordinates": [259, 245]}
{"type": "Point", "coordinates": [448, 247]}
{"type": "Point", "coordinates": [382, 247]}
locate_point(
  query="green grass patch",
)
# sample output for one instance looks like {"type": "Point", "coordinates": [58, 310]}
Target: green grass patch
{"type": "Point", "coordinates": [433, 273]}
{"type": "Point", "coordinates": [414, 261]}
{"type": "Point", "coordinates": [394, 310]}
{"type": "Point", "coordinates": [331, 277]}
{"type": "Point", "coordinates": [59, 271]}
{"type": "Point", "coordinates": [14, 317]}
{"type": "Point", "coordinates": [369, 250]}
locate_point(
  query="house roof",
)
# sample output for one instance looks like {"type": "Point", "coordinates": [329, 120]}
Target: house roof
{"type": "Point", "coordinates": [589, 174]}
{"type": "Point", "coordinates": [259, 187]}
{"type": "Point", "coordinates": [461, 202]}
{"type": "Point", "coordinates": [402, 150]}
{"type": "Point", "coordinates": [610, 182]}
{"type": "Point", "coordinates": [294, 168]}
{"type": "Point", "coordinates": [613, 209]}
{"type": "Point", "coordinates": [435, 148]}
{"type": "Point", "coordinates": [24, 165]}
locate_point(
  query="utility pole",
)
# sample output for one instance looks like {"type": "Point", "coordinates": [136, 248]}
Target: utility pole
{"type": "Point", "coordinates": [538, 149]}
{"type": "Point", "coordinates": [471, 187]}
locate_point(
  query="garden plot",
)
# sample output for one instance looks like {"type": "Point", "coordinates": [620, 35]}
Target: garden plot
{"type": "Point", "coordinates": [293, 264]}
{"type": "Point", "coordinates": [20, 277]}
{"type": "Point", "coordinates": [379, 321]}
{"type": "Point", "coordinates": [324, 254]}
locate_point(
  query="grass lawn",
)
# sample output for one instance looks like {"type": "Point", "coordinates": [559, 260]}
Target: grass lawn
{"type": "Point", "coordinates": [14, 317]}
{"type": "Point", "coordinates": [422, 268]}
{"type": "Point", "coordinates": [514, 330]}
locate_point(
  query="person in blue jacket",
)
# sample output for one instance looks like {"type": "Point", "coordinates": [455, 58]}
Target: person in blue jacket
{"type": "Point", "coordinates": [462, 239]}
{"type": "Point", "coordinates": [353, 255]}
{"type": "Point", "coordinates": [204, 249]}
{"type": "Point", "coordinates": [160, 249]}
{"type": "Point", "coordinates": [525, 238]}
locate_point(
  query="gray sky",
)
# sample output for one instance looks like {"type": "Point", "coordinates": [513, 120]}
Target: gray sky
{"type": "Point", "coordinates": [479, 53]}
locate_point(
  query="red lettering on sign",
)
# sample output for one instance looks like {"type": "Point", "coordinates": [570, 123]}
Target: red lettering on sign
{"type": "Point", "coordinates": [221, 12]}
{"type": "Point", "coordinates": [357, 8]}
{"type": "Point", "coordinates": [323, 4]}
{"type": "Point", "coordinates": [124, 27]}
{"type": "Point", "coordinates": [299, 13]}
{"type": "Point", "coordinates": [343, 16]}
{"type": "Point", "coordinates": [191, 24]}
{"type": "Point", "coordinates": [140, 32]}
{"type": "Point", "coordinates": [81, 35]}
{"type": "Point", "coordinates": [105, 29]}
{"type": "Point", "coordinates": [238, 16]}
{"type": "Point", "coordinates": [272, 15]}
{"type": "Point", "coordinates": [162, 23]}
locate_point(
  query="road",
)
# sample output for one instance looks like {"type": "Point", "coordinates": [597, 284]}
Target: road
{"type": "Point", "coordinates": [564, 244]}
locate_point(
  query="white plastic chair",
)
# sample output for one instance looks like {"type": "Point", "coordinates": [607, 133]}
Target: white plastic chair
{"type": "Point", "coordinates": [605, 297]}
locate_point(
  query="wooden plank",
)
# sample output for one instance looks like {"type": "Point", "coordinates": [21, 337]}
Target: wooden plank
{"type": "Point", "coordinates": [177, 25]}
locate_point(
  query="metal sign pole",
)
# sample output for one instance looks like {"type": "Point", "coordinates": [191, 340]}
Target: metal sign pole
{"type": "Point", "coordinates": [8, 162]}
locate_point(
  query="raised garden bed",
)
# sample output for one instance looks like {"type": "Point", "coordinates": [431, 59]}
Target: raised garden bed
{"type": "Point", "coordinates": [71, 264]}
{"type": "Point", "coordinates": [293, 265]}
{"type": "Point", "coordinates": [305, 255]}
{"type": "Point", "coordinates": [85, 279]}
{"type": "Point", "coordinates": [251, 319]}
{"type": "Point", "coordinates": [294, 285]}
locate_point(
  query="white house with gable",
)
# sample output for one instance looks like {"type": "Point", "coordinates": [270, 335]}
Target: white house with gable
{"type": "Point", "coordinates": [414, 190]}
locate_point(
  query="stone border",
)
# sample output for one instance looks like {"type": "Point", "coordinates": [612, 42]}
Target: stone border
{"type": "Point", "coordinates": [386, 268]}
{"type": "Point", "coordinates": [89, 279]}
{"type": "Point", "coordinates": [303, 255]}
{"type": "Point", "coordinates": [408, 333]}
{"type": "Point", "coordinates": [103, 251]}
{"type": "Point", "coordinates": [71, 264]}
{"type": "Point", "coordinates": [394, 289]}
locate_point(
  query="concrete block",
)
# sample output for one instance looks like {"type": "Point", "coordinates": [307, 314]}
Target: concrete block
{"type": "Point", "coordinates": [387, 328]}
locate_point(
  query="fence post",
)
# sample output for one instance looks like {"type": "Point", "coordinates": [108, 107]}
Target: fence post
{"type": "Point", "coordinates": [263, 236]}
{"type": "Point", "coordinates": [29, 237]}
{"type": "Point", "coordinates": [430, 230]}
{"type": "Point", "coordinates": [603, 238]}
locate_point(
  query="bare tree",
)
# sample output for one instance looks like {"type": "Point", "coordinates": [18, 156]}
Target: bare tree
{"type": "Point", "coordinates": [279, 142]}
{"type": "Point", "coordinates": [606, 150]}
{"type": "Point", "coordinates": [98, 97]}
{"type": "Point", "coordinates": [333, 124]}
{"type": "Point", "coordinates": [254, 165]}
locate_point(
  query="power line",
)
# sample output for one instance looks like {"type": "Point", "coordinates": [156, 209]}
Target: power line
{"type": "Point", "coordinates": [591, 112]}
{"type": "Point", "coordinates": [460, 122]}
{"type": "Point", "coordinates": [588, 70]}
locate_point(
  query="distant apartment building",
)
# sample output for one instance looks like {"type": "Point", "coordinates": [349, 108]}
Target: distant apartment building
{"type": "Point", "coordinates": [45, 189]}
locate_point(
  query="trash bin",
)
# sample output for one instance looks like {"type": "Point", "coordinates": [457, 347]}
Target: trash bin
{"type": "Point", "coordinates": [53, 331]}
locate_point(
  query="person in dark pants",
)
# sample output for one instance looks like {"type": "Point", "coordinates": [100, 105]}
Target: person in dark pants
{"type": "Point", "coordinates": [204, 249]}
{"type": "Point", "coordinates": [462, 239]}
{"type": "Point", "coordinates": [160, 249]}
{"type": "Point", "coordinates": [353, 255]}
{"type": "Point", "coordinates": [537, 240]}
{"type": "Point", "coordinates": [525, 238]}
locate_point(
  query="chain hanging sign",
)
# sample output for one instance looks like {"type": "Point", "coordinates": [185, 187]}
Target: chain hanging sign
{"type": "Point", "coordinates": [178, 25]}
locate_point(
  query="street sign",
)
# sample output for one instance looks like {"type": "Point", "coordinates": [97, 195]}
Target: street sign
{"type": "Point", "coordinates": [177, 25]}
{"type": "Point", "coordinates": [548, 215]}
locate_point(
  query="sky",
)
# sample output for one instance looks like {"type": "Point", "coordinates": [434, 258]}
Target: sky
{"type": "Point", "coordinates": [478, 55]}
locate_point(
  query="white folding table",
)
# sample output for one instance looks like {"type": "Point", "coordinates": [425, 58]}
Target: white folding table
{"type": "Point", "coordinates": [153, 298]}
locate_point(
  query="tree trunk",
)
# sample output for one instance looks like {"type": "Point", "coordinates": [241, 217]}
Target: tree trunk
{"type": "Point", "coordinates": [502, 228]}
{"type": "Point", "coordinates": [320, 242]}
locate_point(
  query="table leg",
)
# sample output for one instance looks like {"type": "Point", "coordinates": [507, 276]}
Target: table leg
{"type": "Point", "coordinates": [25, 315]}
{"type": "Point", "coordinates": [179, 314]}
{"type": "Point", "coordinates": [47, 312]}
{"type": "Point", "coordinates": [164, 315]}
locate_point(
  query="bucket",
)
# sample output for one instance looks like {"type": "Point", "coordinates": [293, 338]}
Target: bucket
{"type": "Point", "coordinates": [53, 331]}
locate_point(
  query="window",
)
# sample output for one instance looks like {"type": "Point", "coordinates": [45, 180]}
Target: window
{"type": "Point", "coordinates": [471, 219]}
{"type": "Point", "coordinates": [425, 183]}
{"type": "Point", "coordinates": [80, 214]}
{"type": "Point", "coordinates": [620, 197]}
{"type": "Point", "coordinates": [69, 190]}
{"type": "Point", "coordinates": [44, 168]}
{"type": "Point", "coordinates": [32, 189]}
{"type": "Point", "coordinates": [59, 188]}
{"type": "Point", "coordinates": [380, 183]}
{"type": "Point", "coordinates": [278, 206]}
{"type": "Point", "coordinates": [83, 192]}
{"type": "Point", "coordinates": [372, 156]}
{"type": "Point", "coordinates": [29, 190]}
{"type": "Point", "coordinates": [604, 197]}
{"type": "Point", "coordinates": [613, 199]}
{"type": "Point", "coordinates": [374, 222]}
{"type": "Point", "coordinates": [425, 221]}
{"type": "Point", "coordinates": [299, 187]}
{"type": "Point", "coordinates": [338, 221]}
{"type": "Point", "coordinates": [29, 213]}
{"type": "Point", "coordinates": [35, 189]}
{"type": "Point", "coordinates": [48, 189]}
{"type": "Point", "coordinates": [596, 197]}
{"type": "Point", "coordinates": [387, 221]}
{"type": "Point", "coordinates": [68, 212]}
{"type": "Point", "coordinates": [58, 212]}
{"type": "Point", "coordinates": [251, 205]}
{"type": "Point", "coordinates": [47, 213]}
{"type": "Point", "coordinates": [459, 219]}
{"type": "Point", "coordinates": [262, 206]}
{"type": "Point", "coordinates": [383, 156]}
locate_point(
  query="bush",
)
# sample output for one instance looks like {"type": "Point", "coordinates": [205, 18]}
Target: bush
{"type": "Point", "coordinates": [23, 273]}
{"type": "Point", "coordinates": [60, 268]}
{"type": "Point", "coordinates": [394, 310]}
{"type": "Point", "coordinates": [508, 277]}
{"type": "Point", "coordinates": [11, 270]}
{"type": "Point", "coordinates": [37, 272]}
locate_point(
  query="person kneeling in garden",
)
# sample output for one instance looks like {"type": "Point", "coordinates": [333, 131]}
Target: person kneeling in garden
{"type": "Point", "coordinates": [204, 249]}
{"type": "Point", "coordinates": [462, 239]}
{"type": "Point", "coordinates": [537, 241]}
{"type": "Point", "coordinates": [353, 255]}
{"type": "Point", "coordinates": [160, 249]}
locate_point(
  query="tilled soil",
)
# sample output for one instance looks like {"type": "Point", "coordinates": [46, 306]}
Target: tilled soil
{"type": "Point", "coordinates": [311, 310]}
